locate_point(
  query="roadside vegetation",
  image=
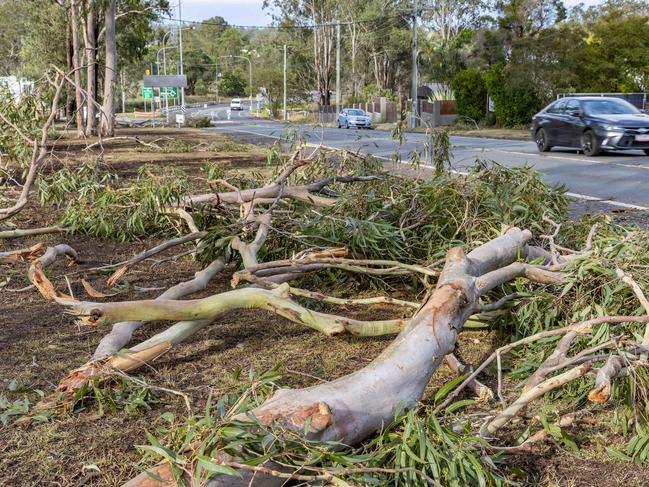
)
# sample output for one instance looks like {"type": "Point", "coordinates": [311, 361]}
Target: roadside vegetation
{"type": "Point", "coordinates": [209, 309]}
{"type": "Point", "coordinates": [182, 308]}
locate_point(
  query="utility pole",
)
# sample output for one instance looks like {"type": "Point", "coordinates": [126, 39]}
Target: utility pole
{"type": "Point", "coordinates": [216, 68]}
{"type": "Point", "coordinates": [338, 66]}
{"type": "Point", "coordinates": [285, 112]}
{"type": "Point", "coordinates": [180, 32]}
{"type": "Point", "coordinates": [413, 115]}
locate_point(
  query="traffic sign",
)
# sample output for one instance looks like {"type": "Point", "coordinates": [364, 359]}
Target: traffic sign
{"type": "Point", "coordinates": [147, 93]}
{"type": "Point", "coordinates": [169, 92]}
{"type": "Point", "coordinates": [180, 119]}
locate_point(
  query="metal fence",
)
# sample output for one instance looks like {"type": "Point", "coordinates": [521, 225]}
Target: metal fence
{"type": "Point", "coordinates": [639, 100]}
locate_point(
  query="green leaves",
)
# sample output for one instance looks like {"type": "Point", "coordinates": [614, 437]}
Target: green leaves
{"type": "Point", "coordinates": [210, 466]}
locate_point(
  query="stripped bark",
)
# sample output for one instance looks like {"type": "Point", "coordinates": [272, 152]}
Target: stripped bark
{"type": "Point", "coordinates": [35, 272]}
{"type": "Point", "coordinates": [27, 254]}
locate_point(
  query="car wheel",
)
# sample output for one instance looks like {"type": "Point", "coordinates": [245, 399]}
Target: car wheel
{"type": "Point", "coordinates": [590, 144]}
{"type": "Point", "coordinates": [646, 151]}
{"type": "Point", "coordinates": [338, 123]}
{"type": "Point", "coordinates": [347, 125]}
{"type": "Point", "coordinates": [541, 140]}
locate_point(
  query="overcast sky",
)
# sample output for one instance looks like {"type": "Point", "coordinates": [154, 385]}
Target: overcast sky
{"type": "Point", "coordinates": [250, 12]}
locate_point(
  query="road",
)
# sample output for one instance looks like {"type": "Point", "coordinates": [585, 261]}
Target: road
{"type": "Point", "coordinates": [616, 178]}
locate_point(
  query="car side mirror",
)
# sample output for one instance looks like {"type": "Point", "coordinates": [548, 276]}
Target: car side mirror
{"type": "Point", "coordinates": [574, 113]}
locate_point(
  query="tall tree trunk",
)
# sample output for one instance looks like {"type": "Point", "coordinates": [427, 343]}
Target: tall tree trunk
{"type": "Point", "coordinates": [69, 53]}
{"type": "Point", "coordinates": [91, 55]}
{"type": "Point", "coordinates": [76, 63]}
{"type": "Point", "coordinates": [110, 76]}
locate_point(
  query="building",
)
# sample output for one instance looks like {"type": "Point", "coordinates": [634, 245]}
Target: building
{"type": "Point", "coordinates": [17, 86]}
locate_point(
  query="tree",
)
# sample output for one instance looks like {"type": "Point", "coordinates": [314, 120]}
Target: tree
{"type": "Point", "coordinates": [470, 94]}
{"type": "Point", "coordinates": [232, 83]}
{"type": "Point", "coordinates": [615, 56]}
{"type": "Point", "coordinates": [110, 76]}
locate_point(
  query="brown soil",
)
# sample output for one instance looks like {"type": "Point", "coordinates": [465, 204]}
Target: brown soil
{"type": "Point", "coordinates": [39, 345]}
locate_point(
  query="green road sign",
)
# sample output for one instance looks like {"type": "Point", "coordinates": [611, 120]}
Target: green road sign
{"type": "Point", "coordinates": [147, 93]}
{"type": "Point", "coordinates": [168, 92]}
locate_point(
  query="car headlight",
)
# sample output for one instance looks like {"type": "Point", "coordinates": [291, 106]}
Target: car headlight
{"type": "Point", "coordinates": [613, 128]}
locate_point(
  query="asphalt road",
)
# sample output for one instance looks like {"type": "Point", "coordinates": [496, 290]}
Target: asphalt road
{"type": "Point", "coordinates": [616, 178]}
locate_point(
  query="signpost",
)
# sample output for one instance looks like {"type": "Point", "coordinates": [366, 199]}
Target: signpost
{"type": "Point", "coordinates": [147, 94]}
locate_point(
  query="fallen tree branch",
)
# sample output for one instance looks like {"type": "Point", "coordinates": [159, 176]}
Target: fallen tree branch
{"type": "Point", "coordinates": [37, 277]}
{"type": "Point", "coordinates": [583, 327]}
{"type": "Point", "coordinates": [124, 265]}
{"type": "Point", "coordinates": [111, 139]}
{"type": "Point", "coordinates": [535, 392]}
{"type": "Point", "coordinates": [29, 232]}
{"type": "Point", "coordinates": [122, 332]}
{"type": "Point", "coordinates": [276, 301]}
{"type": "Point", "coordinates": [30, 253]}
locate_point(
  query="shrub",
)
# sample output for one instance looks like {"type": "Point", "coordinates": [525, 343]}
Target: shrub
{"type": "Point", "coordinates": [198, 122]}
{"type": "Point", "coordinates": [470, 94]}
{"type": "Point", "coordinates": [200, 88]}
{"type": "Point", "coordinates": [516, 101]}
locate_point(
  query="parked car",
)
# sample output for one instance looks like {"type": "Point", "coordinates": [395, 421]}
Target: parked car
{"type": "Point", "coordinates": [354, 117]}
{"type": "Point", "coordinates": [235, 104]}
{"type": "Point", "coordinates": [592, 124]}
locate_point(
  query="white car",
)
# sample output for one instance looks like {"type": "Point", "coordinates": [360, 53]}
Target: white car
{"type": "Point", "coordinates": [235, 104]}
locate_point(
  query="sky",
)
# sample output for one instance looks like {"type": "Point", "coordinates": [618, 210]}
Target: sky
{"type": "Point", "coordinates": [250, 12]}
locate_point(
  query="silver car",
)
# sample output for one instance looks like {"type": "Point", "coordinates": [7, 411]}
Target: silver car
{"type": "Point", "coordinates": [354, 117]}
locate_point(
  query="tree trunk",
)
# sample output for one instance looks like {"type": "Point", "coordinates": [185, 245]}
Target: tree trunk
{"type": "Point", "coordinates": [76, 63]}
{"type": "Point", "coordinates": [91, 55]}
{"type": "Point", "coordinates": [110, 76]}
{"type": "Point", "coordinates": [352, 408]}
{"type": "Point", "coordinates": [69, 54]}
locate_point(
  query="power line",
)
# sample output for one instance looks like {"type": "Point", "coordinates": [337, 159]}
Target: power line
{"type": "Point", "coordinates": [286, 27]}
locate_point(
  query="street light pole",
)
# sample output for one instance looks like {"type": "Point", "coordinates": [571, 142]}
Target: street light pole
{"type": "Point", "coordinates": [180, 32]}
{"type": "Point", "coordinates": [216, 78]}
{"type": "Point", "coordinates": [338, 66]}
{"type": "Point", "coordinates": [285, 112]}
{"type": "Point", "coordinates": [413, 115]}
{"type": "Point", "coordinates": [249, 74]}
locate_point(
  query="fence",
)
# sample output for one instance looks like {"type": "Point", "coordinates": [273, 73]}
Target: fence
{"type": "Point", "coordinates": [639, 100]}
{"type": "Point", "coordinates": [381, 110]}
{"type": "Point", "coordinates": [437, 112]}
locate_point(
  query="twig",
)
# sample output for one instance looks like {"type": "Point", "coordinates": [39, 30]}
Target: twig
{"type": "Point", "coordinates": [641, 297]}
{"type": "Point", "coordinates": [583, 327]}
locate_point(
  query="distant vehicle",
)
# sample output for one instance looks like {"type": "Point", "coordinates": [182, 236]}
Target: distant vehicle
{"type": "Point", "coordinates": [354, 117]}
{"type": "Point", "coordinates": [592, 124]}
{"type": "Point", "coordinates": [235, 104]}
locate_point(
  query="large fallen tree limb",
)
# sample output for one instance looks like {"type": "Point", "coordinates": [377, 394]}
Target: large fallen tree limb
{"type": "Point", "coordinates": [353, 407]}
{"type": "Point", "coordinates": [275, 301]}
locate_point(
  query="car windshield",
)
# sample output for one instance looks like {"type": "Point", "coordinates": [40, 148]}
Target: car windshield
{"type": "Point", "coordinates": [357, 113]}
{"type": "Point", "coordinates": [608, 107]}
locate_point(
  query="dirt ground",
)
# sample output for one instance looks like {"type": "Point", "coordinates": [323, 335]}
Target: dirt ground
{"type": "Point", "coordinates": [39, 345]}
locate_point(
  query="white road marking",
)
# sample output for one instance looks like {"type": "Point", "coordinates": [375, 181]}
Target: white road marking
{"type": "Point", "coordinates": [578, 196]}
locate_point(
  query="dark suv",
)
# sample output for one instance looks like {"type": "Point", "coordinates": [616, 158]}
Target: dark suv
{"type": "Point", "coordinates": [591, 123]}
